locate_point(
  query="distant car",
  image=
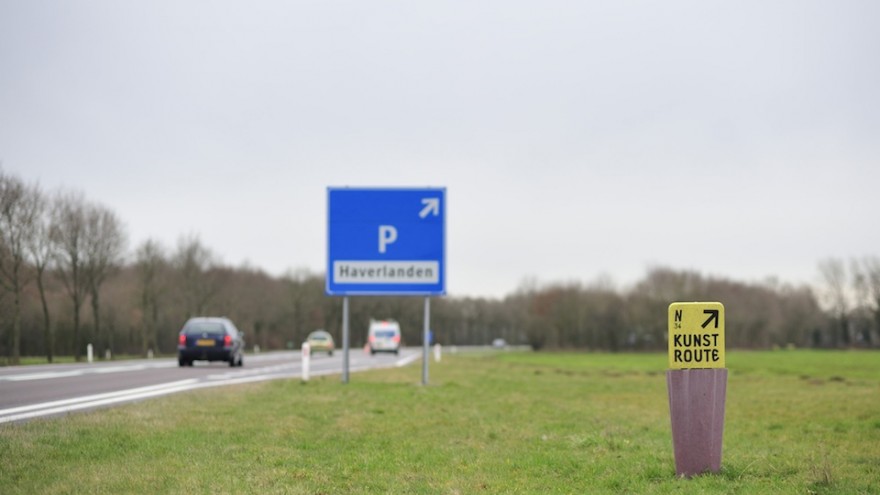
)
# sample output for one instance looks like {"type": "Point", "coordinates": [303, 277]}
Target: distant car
{"type": "Point", "coordinates": [384, 336]}
{"type": "Point", "coordinates": [499, 343]}
{"type": "Point", "coordinates": [320, 341]}
{"type": "Point", "coordinates": [210, 339]}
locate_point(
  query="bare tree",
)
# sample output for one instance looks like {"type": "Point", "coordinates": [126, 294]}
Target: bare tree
{"type": "Point", "coordinates": [866, 281]}
{"type": "Point", "coordinates": [871, 265]}
{"type": "Point", "coordinates": [105, 241]}
{"type": "Point", "coordinates": [150, 263]}
{"type": "Point", "coordinates": [42, 252]}
{"type": "Point", "coordinates": [18, 213]}
{"type": "Point", "coordinates": [307, 307]}
{"type": "Point", "coordinates": [69, 235]}
{"type": "Point", "coordinates": [833, 272]}
{"type": "Point", "coordinates": [193, 262]}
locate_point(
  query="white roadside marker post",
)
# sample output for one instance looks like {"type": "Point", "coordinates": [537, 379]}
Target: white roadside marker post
{"type": "Point", "coordinates": [306, 358]}
{"type": "Point", "coordinates": [90, 353]}
{"type": "Point", "coordinates": [437, 353]}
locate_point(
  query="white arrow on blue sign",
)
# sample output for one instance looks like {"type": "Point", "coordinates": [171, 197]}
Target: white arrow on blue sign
{"type": "Point", "coordinates": [389, 241]}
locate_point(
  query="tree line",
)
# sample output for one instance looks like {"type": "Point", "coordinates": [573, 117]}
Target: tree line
{"type": "Point", "coordinates": [69, 278]}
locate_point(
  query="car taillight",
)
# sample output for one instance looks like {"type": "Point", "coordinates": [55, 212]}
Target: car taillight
{"type": "Point", "coordinates": [227, 340]}
{"type": "Point", "coordinates": [372, 339]}
{"type": "Point", "coordinates": [396, 338]}
{"type": "Point", "coordinates": [181, 340]}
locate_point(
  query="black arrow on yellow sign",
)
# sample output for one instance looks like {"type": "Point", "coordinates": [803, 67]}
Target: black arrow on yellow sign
{"type": "Point", "coordinates": [713, 315]}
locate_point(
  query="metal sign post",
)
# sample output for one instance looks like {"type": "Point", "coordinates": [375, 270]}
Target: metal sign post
{"type": "Point", "coordinates": [345, 344]}
{"type": "Point", "coordinates": [426, 341]}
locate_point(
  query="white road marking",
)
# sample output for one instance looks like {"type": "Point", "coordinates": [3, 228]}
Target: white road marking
{"type": "Point", "coordinates": [407, 360]}
{"type": "Point", "coordinates": [47, 375]}
{"type": "Point", "coordinates": [41, 376]}
{"type": "Point", "coordinates": [77, 403]}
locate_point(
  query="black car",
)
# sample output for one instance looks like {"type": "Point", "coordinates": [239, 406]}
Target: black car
{"type": "Point", "coordinates": [210, 339]}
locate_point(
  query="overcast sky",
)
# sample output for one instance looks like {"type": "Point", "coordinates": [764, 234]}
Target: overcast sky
{"type": "Point", "coordinates": [575, 139]}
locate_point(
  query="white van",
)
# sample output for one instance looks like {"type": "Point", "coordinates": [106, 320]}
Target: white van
{"type": "Point", "coordinates": [384, 336]}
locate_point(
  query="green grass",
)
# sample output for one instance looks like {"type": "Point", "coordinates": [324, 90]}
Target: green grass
{"type": "Point", "coordinates": [32, 360]}
{"type": "Point", "coordinates": [797, 422]}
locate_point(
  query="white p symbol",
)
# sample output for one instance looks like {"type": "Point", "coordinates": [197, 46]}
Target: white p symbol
{"type": "Point", "coordinates": [387, 235]}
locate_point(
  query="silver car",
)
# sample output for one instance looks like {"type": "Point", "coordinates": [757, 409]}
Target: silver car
{"type": "Point", "coordinates": [384, 336]}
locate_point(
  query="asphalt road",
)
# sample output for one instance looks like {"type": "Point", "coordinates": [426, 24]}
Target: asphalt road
{"type": "Point", "coordinates": [28, 392]}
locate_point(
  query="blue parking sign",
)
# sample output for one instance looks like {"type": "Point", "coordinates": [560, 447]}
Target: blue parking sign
{"type": "Point", "coordinates": [386, 241]}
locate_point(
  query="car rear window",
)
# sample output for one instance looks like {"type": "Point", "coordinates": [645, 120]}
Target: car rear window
{"type": "Point", "coordinates": [203, 327]}
{"type": "Point", "coordinates": [384, 334]}
{"type": "Point", "coordinates": [318, 337]}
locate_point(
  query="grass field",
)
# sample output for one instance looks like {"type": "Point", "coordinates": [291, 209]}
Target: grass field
{"type": "Point", "coordinates": [797, 422]}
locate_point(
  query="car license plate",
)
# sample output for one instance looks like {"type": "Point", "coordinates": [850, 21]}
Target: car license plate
{"type": "Point", "coordinates": [205, 342]}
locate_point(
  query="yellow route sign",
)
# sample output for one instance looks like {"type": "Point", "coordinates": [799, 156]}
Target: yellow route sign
{"type": "Point", "coordinates": [696, 335]}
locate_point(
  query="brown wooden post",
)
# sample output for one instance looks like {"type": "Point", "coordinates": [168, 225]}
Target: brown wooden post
{"type": "Point", "coordinates": [696, 406]}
